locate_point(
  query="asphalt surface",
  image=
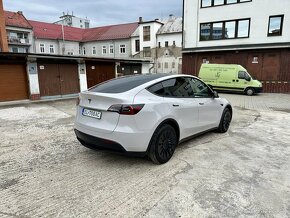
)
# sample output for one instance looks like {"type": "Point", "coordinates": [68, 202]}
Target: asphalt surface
{"type": "Point", "coordinates": [45, 172]}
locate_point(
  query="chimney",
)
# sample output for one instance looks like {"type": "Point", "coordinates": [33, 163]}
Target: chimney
{"type": "Point", "coordinates": [140, 19]}
{"type": "Point", "coordinates": [3, 34]}
{"type": "Point", "coordinates": [171, 17]}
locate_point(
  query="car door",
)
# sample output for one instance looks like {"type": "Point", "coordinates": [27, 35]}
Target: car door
{"type": "Point", "coordinates": [243, 80]}
{"type": "Point", "coordinates": [179, 96]}
{"type": "Point", "coordinates": [209, 108]}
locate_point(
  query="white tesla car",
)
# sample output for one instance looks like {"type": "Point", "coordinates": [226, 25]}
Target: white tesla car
{"type": "Point", "coordinates": [149, 114]}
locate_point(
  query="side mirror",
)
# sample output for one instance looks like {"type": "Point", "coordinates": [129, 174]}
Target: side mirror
{"type": "Point", "coordinates": [215, 94]}
{"type": "Point", "coordinates": [248, 79]}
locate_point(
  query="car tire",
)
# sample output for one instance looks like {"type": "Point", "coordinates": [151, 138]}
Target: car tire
{"type": "Point", "coordinates": [225, 121]}
{"type": "Point", "coordinates": [250, 91]}
{"type": "Point", "coordinates": [162, 144]}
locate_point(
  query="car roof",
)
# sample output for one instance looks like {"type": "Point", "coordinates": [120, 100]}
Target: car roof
{"type": "Point", "coordinates": [132, 83]}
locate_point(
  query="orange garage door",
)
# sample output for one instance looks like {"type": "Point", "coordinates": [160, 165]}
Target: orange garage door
{"type": "Point", "coordinates": [13, 82]}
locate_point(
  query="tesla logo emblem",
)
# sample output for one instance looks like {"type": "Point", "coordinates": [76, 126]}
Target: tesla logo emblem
{"type": "Point", "coordinates": [90, 100]}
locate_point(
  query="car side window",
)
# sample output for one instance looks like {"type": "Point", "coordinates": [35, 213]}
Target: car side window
{"type": "Point", "coordinates": [178, 87]}
{"type": "Point", "coordinates": [200, 89]}
{"type": "Point", "coordinates": [242, 75]}
{"type": "Point", "coordinates": [157, 89]}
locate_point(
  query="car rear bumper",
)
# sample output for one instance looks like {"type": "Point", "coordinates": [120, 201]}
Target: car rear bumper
{"type": "Point", "coordinates": [93, 142]}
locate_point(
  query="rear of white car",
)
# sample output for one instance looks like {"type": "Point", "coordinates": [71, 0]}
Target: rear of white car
{"type": "Point", "coordinates": [126, 115]}
{"type": "Point", "coordinates": [121, 124]}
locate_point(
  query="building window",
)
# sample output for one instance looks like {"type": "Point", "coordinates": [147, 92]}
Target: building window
{"type": "Point", "coordinates": [173, 65]}
{"type": "Point", "coordinates": [122, 49]}
{"type": "Point", "coordinates": [225, 30]}
{"type": "Point", "coordinates": [147, 52]}
{"type": "Point", "coordinates": [51, 49]}
{"type": "Point", "coordinates": [159, 44]}
{"type": "Point", "coordinates": [14, 49]}
{"type": "Point", "coordinates": [70, 53]}
{"type": "Point", "coordinates": [104, 49]}
{"type": "Point", "coordinates": [174, 43]}
{"type": "Point", "coordinates": [137, 45]}
{"type": "Point", "coordinates": [94, 50]}
{"type": "Point", "coordinates": [159, 65]}
{"type": "Point", "coordinates": [275, 25]}
{"type": "Point", "coordinates": [166, 65]}
{"type": "Point", "coordinates": [111, 49]}
{"type": "Point", "coordinates": [243, 28]}
{"type": "Point", "coordinates": [146, 33]}
{"type": "Point", "coordinates": [84, 50]}
{"type": "Point", "coordinates": [42, 48]}
{"type": "Point", "coordinates": [166, 43]}
{"type": "Point", "coordinates": [211, 3]}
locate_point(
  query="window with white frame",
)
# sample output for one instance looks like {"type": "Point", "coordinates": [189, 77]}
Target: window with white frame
{"type": "Point", "coordinates": [111, 49]}
{"type": "Point", "coordinates": [104, 49]}
{"type": "Point", "coordinates": [51, 49]}
{"type": "Point", "coordinates": [42, 48]}
{"type": "Point", "coordinates": [122, 49]}
{"type": "Point", "coordinates": [94, 51]}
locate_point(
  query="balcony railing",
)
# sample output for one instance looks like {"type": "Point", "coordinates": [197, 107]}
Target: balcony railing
{"type": "Point", "coordinates": [14, 40]}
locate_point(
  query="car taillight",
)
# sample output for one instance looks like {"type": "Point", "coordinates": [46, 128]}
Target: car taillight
{"type": "Point", "coordinates": [78, 101]}
{"type": "Point", "coordinates": [126, 109]}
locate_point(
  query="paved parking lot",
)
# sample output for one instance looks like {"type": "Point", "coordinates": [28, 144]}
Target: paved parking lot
{"type": "Point", "coordinates": [45, 172]}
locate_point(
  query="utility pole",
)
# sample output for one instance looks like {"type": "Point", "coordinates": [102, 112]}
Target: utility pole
{"type": "Point", "coordinates": [3, 34]}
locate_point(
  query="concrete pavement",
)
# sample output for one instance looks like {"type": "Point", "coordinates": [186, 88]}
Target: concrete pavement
{"type": "Point", "coordinates": [45, 172]}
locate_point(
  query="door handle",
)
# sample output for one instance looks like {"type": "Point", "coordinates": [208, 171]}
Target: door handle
{"type": "Point", "coordinates": [201, 103]}
{"type": "Point", "coordinates": [175, 105]}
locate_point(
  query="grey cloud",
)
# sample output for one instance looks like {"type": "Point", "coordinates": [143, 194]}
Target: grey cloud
{"type": "Point", "coordinates": [99, 12]}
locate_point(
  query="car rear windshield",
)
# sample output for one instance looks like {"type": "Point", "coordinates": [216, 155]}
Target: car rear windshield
{"type": "Point", "coordinates": [124, 84]}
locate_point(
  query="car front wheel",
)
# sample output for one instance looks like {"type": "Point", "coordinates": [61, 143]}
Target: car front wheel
{"type": "Point", "coordinates": [163, 144]}
{"type": "Point", "coordinates": [250, 91]}
{"type": "Point", "coordinates": [225, 121]}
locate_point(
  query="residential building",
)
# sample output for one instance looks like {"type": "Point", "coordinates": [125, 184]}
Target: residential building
{"type": "Point", "coordinates": [19, 32]}
{"type": "Point", "coordinates": [73, 21]}
{"type": "Point", "coordinates": [56, 39]}
{"type": "Point", "coordinates": [160, 41]}
{"type": "Point", "coordinates": [3, 34]}
{"type": "Point", "coordinates": [255, 34]}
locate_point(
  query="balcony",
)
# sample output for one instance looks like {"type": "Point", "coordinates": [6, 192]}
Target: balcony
{"type": "Point", "coordinates": [18, 41]}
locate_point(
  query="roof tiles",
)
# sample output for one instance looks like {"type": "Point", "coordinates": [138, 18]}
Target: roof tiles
{"type": "Point", "coordinates": [44, 30]}
{"type": "Point", "coordinates": [16, 19]}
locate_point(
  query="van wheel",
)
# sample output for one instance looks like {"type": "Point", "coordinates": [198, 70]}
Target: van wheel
{"type": "Point", "coordinates": [225, 121]}
{"type": "Point", "coordinates": [250, 91]}
{"type": "Point", "coordinates": [162, 144]}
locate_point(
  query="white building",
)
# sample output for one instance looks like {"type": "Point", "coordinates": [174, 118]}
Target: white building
{"type": "Point", "coordinates": [73, 21]}
{"type": "Point", "coordinates": [160, 41]}
{"type": "Point", "coordinates": [255, 34]}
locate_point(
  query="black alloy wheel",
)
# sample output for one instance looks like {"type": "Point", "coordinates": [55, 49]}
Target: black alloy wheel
{"type": "Point", "coordinates": [225, 121]}
{"type": "Point", "coordinates": [163, 144]}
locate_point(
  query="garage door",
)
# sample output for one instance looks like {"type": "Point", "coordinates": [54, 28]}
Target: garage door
{"type": "Point", "coordinates": [58, 79]}
{"type": "Point", "coordinates": [13, 82]}
{"type": "Point", "coordinates": [98, 72]}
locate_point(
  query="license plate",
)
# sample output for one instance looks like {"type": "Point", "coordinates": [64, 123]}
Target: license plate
{"type": "Point", "coordinates": [92, 113]}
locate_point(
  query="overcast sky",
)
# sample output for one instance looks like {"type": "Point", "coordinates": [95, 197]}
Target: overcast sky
{"type": "Point", "coordinates": [100, 12]}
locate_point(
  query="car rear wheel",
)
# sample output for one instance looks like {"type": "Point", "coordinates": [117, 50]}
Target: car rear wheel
{"type": "Point", "coordinates": [225, 121]}
{"type": "Point", "coordinates": [250, 91]}
{"type": "Point", "coordinates": [163, 144]}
